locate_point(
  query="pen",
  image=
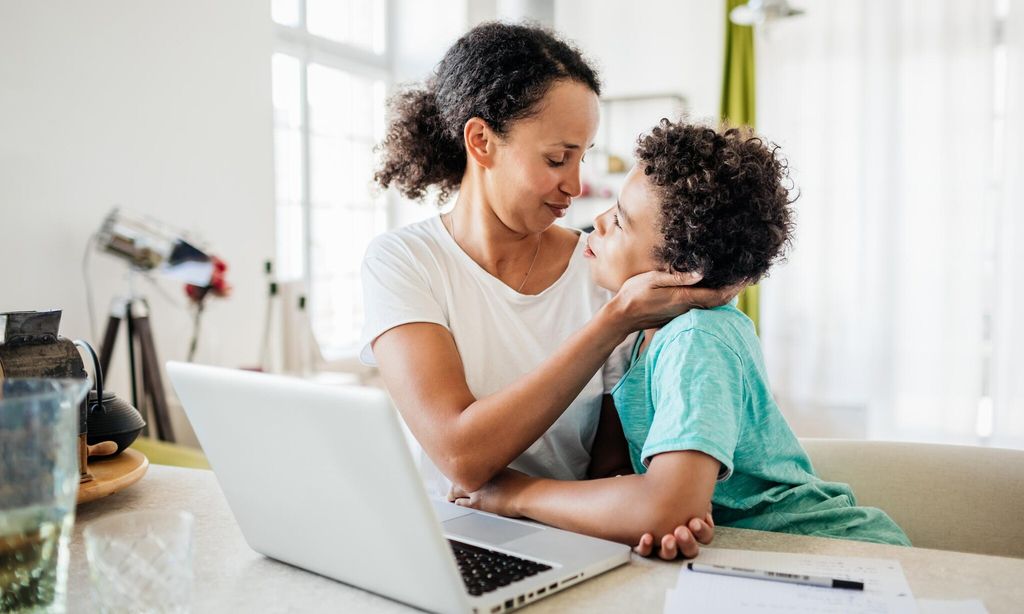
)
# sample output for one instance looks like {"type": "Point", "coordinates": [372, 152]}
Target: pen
{"type": "Point", "coordinates": [778, 576]}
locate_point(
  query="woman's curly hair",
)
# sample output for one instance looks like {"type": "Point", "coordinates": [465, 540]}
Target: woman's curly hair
{"type": "Point", "coordinates": [498, 72]}
{"type": "Point", "coordinates": [725, 205]}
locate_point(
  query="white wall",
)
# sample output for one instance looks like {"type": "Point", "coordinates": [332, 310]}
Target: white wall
{"type": "Point", "coordinates": [540, 11]}
{"type": "Point", "coordinates": [423, 31]}
{"type": "Point", "coordinates": [161, 107]}
{"type": "Point", "coordinates": [654, 46]}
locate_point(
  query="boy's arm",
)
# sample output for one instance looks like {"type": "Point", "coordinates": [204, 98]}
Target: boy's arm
{"type": "Point", "coordinates": [677, 487]}
{"type": "Point", "coordinates": [609, 456]}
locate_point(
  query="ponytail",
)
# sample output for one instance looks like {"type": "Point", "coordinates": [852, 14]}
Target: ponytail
{"type": "Point", "coordinates": [418, 151]}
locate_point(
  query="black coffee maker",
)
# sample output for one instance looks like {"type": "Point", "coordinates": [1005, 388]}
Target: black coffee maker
{"type": "Point", "coordinates": [30, 346]}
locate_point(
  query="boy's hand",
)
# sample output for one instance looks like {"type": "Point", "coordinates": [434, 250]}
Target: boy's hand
{"type": "Point", "coordinates": [685, 540]}
{"type": "Point", "coordinates": [497, 496]}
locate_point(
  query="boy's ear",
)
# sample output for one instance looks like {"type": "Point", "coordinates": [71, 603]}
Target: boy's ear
{"type": "Point", "coordinates": [480, 140]}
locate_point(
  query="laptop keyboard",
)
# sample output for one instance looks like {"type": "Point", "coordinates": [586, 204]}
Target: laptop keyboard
{"type": "Point", "coordinates": [486, 570]}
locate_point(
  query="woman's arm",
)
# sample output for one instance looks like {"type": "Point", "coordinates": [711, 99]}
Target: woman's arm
{"type": "Point", "coordinates": [677, 487]}
{"type": "Point", "coordinates": [470, 439]}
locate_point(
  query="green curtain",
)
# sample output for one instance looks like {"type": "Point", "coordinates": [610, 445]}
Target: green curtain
{"type": "Point", "coordinates": [739, 107]}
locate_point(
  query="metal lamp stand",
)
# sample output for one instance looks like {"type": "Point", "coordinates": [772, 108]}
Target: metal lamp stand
{"type": "Point", "coordinates": [133, 311]}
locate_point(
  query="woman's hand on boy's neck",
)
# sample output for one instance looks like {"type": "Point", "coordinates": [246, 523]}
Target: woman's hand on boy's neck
{"type": "Point", "coordinates": [651, 300]}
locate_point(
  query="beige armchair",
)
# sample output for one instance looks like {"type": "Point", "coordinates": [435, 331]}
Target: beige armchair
{"type": "Point", "coordinates": [946, 497]}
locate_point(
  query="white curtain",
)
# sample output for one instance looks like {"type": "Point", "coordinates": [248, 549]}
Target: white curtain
{"type": "Point", "coordinates": [1008, 321]}
{"type": "Point", "coordinates": [883, 322]}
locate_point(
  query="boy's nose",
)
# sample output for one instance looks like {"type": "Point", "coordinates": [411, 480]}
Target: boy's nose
{"type": "Point", "coordinates": [600, 222]}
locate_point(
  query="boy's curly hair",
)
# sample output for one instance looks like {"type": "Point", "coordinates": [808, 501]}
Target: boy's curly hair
{"type": "Point", "coordinates": [725, 205]}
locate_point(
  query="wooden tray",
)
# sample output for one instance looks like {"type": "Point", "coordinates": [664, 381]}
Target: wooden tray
{"type": "Point", "coordinates": [113, 475]}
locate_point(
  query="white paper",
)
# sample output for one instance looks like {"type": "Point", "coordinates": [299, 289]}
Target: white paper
{"type": "Point", "coordinates": [951, 606]}
{"type": "Point", "coordinates": [885, 587]}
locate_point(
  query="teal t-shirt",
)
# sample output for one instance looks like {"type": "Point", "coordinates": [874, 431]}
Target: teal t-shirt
{"type": "Point", "coordinates": [701, 384]}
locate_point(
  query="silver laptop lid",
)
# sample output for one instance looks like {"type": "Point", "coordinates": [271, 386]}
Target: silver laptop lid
{"type": "Point", "coordinates": [274, 442]}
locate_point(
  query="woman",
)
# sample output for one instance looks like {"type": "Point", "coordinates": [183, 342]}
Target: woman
{"type": "Point", "coordinates": [487, 329]}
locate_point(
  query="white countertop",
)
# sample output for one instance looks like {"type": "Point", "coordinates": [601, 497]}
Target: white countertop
{"type": "Point", "coordinates": [230, 577]}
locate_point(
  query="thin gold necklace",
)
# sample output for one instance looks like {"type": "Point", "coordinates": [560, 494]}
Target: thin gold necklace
{"type": "Point", "coordinates": [451, 229]}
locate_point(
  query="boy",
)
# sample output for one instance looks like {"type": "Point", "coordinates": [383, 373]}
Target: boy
{"type": "Point", "coordinates": [698, 417]}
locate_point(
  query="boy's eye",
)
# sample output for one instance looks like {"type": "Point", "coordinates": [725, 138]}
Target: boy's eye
{"type": "Point", "coordinates": [555, 162]}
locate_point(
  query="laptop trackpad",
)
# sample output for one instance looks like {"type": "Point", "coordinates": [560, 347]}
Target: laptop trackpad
{"type": "Point", "coordinates": [488, 529]}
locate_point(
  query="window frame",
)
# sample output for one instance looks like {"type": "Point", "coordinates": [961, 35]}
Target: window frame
{"type": "Point", "coordinates": [297, 42]}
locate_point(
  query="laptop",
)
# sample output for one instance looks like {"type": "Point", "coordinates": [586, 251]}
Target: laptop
{"type": "Point", "coordinates": [321, 477]}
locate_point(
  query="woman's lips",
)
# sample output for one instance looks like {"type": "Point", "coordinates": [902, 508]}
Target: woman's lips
{"type": "Point", "coordinates": [559, 211]}
{"type": "Point", "coordinates": [587, 252]}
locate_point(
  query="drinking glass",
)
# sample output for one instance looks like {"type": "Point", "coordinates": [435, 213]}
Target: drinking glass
{"type": "Point", "coordinates": [141, 561]}
{"type": "Point", "coordinates": [38, 486]}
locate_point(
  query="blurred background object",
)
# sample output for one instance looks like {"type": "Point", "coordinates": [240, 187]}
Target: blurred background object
{"type": "Point", "coordinates": [757, 12]}
{"type": "Point", "coordinates": [31, 347]}
{"type": "Point", "coordinates": [148, 246]}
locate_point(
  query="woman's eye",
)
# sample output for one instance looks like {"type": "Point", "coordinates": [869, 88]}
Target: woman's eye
{"type": "Point", "coordinates": [555, 162]}
{"type": "Point", "coordinates": [583, 159]}
{"type": "Point", "coordinates": [615, 218]}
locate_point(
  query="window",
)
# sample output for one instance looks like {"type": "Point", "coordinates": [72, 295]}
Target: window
{"type": "Point", "coordinates": [330, 76]}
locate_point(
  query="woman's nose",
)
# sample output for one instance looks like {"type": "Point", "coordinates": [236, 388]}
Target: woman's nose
{"type": "Point", "coordinates": [571, 184]}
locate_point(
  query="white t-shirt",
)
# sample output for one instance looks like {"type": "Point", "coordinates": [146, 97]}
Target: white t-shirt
{"type": "Point", "coordinates": [420, 274]}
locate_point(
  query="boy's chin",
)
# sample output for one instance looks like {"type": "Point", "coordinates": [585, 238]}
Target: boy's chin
{"type": "Point", "coordinates": [595, 275]}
